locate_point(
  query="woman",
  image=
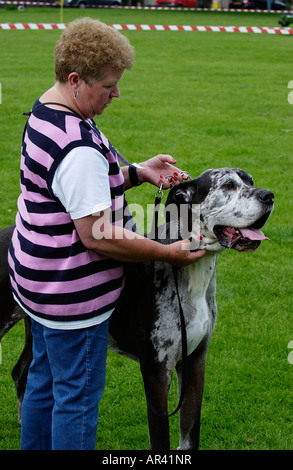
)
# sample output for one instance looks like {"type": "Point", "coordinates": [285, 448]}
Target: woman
{"type": "Point", "coordinates": [64, 275]}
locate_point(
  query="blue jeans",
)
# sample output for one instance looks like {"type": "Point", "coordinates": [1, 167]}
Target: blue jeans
{"type": "Point", "coordinates": [65, 383]}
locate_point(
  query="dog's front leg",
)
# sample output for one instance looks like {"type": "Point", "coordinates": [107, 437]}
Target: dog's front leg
{"type": "Point", "coordinates": [191, 406]}
{"type": "Point", "coordinates": [157, 386]}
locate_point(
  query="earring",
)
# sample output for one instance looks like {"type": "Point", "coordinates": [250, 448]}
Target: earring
{"type": "Point", "coordinates": [75, 94]}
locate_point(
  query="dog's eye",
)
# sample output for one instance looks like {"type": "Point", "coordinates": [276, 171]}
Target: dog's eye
{"type": "Point", "coordinates": [229, 185]}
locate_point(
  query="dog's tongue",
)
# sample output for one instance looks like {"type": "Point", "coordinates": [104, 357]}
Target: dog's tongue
{"type": "Point", "coordinates": [252, 234]}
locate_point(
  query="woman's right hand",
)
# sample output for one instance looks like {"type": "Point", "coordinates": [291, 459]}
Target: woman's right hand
{"type": "Point", "coordinates": [180, 254]}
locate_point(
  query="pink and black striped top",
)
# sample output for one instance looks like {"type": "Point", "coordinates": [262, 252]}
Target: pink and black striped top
{"type": "Point", "coordinates": [52, 274]}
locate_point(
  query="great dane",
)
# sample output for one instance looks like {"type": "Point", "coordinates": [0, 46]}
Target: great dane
{"type": "Point", "coordinates": [146, 326]}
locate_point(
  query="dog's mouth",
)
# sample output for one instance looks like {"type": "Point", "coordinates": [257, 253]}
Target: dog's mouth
{"type": "Point", "coordinates": [241, 239]}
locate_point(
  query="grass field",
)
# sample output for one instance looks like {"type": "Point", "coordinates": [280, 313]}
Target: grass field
{"type": "Point", "coordinates": [210, 100]}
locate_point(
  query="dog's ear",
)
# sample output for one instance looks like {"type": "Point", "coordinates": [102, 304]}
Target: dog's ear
{"type": "Point", "coordinates": [190, 192]}
{"type": "Point", "coordinates": [182, 195]}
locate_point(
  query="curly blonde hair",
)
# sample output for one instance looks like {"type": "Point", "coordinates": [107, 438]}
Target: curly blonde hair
{"type": "Point", "coordinates": [90, 48]}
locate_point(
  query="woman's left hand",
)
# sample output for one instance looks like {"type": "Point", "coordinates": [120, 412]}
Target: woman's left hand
{"type": "Point", "coordinates": [161, 169]}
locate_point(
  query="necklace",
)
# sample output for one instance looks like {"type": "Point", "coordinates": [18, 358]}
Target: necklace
{"type": "Point", "coordinates": [61, 95]}
{"type": "Point", "coordinates": [79, 112]}
{"type": "Point", "coordinates": [86, 120]}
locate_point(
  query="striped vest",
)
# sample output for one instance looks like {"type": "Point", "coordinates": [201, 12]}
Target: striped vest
{"type": "Point", "coordinates": [52, 274]}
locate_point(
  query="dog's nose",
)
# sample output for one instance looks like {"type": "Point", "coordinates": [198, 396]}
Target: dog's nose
{"type": "Point", "coordinates": [266, 196]}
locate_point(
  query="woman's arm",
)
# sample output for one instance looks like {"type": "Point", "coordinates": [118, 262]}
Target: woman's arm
{"type": "Point", "coordinates": [98, 234]}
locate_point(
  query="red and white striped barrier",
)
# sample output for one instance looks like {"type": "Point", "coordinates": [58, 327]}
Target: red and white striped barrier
{"type": "Point", "coordinates": [22, 26]}
{"type": "Point", "coordinates": [146, 27]}
{"type": "Point", "coordinates": [227, 29]}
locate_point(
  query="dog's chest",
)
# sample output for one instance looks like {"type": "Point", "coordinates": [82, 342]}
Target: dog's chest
{"type": "Point", "coordinates": [193, 283]}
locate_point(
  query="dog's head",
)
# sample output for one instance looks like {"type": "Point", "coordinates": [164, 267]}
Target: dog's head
{"type": "Point", "coordinates": [225, 206]}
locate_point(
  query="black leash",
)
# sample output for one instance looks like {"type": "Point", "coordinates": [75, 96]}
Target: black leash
{"type": "Point", "coordinates": [158, 198]}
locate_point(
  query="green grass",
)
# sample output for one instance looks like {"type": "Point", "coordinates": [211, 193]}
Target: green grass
{"type": "Point", "coordinates": [210, 100]}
